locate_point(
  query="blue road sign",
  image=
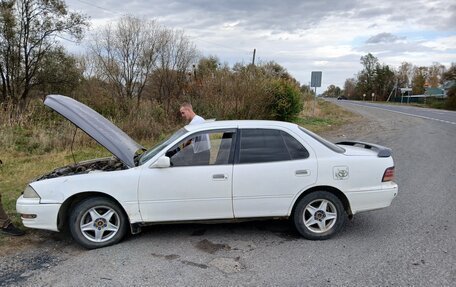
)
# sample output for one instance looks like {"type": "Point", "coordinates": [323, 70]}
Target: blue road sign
{"type": "Point", "coordinates": [315, 79]}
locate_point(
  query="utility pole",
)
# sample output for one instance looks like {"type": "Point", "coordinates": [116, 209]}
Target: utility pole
{"type": "Point", "coordinates": [253, 59]}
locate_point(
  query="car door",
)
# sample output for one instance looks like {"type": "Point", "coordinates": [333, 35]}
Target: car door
{"type": "Point", "coordinates": [271, 167]}
{"type": "Point", "coordinates": [198, 185]}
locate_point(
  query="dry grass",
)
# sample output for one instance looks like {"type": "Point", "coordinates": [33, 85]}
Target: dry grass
{"type": "Point", "coordinates": [19, 168]}
{"type": "Point", "coordinates": [322, 115]}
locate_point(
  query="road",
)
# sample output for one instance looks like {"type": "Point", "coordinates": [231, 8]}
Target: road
{"type": "Point", "coordinates": [411, 243]}
{"type": "Point", "coordinates": [444, 116]}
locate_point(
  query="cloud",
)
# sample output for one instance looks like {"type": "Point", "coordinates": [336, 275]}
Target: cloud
{"type": "Point", "coordinates": [384, 38]}
{"type": "Point", "coordinates": [442, 44]}
{"type": "Point", "coordinates": [302, 36]}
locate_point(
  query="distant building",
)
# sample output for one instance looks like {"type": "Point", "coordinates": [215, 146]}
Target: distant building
{"type": "Point", "coordinates": [434, 92]}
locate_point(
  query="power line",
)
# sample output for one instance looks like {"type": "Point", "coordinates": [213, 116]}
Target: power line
{"type": "Point", "coordinates": [66, 39]}
{"type": "Point", "coordinates": [99, 7]}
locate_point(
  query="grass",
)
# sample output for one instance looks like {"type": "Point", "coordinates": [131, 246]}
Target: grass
{"type": "Point", "coordinates": [23, 160]}
{"type": "Point", "coordinates": [19, 168]}
{"type": "Point", "coordinates": [325, 116]}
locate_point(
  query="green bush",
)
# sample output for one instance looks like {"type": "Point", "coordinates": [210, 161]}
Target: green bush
{"type": "Point", "coordinates": [286, 101]}
{"type": "Point", "coordinates": [451, 101]}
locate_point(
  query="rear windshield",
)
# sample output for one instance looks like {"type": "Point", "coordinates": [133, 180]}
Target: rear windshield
{"type": "Point", "coordinates": [324, 142]}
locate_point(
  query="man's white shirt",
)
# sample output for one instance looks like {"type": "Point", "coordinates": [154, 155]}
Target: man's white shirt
{"type": "Point", "coordinates": [200, 143]}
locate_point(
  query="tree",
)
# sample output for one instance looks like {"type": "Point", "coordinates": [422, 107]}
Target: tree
{"type": "Point", "coordinates": [286, 102]}
{"type": "Point", "coordinates": [374, 78]}
{"type": "Point", "coordinates": [58, 73]}
{"type": "Point", "coordinates": [127, 54]}
{"type": "Point", "coordinates": [384, 82]}
{"type": "Point", "coordinates": [451, 101]}
{"type": "Point", "coordinates": [208, 66]}
{"type": "Point", "coordinates": [418, 81]}
{"type": "Point", "coordinates": [435, 73]}
{"type": "Point", "coordinates": [350, 88]}
{"type": "Point", "coordinates": [332, 91]}
{"type": "Point", "coordinates": [404, 75]}
{"type": "Point", "coordinates": [366, 78]}
{"type": "Point", "coordinates": [28, 31]}
{"type": "Point", "coordinates": [275, 70]}
{"type": "Point", "coordinates": [450, 74]}
{"type": "Point", "coordinates": [176, 54]}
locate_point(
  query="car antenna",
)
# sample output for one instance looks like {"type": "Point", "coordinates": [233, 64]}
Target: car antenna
{"type": "Point", "coordinates": [72, 142]}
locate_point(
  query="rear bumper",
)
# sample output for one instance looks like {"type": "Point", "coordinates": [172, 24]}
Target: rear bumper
{"type": "Point", "coordinates": [372, 199]}
{"type": "Point", "coordinates": [46, 214]}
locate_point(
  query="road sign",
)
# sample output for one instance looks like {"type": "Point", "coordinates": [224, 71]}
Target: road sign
{"type": "Point", "coordinates": [315, 79]}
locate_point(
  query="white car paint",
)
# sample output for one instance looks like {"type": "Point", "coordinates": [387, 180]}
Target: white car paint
{"type": "Point", "coordinates": [150, 194]}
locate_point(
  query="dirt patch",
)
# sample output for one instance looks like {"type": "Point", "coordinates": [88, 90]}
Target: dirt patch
{"type": "Point", "coordinates": [33, 238]}
{"type": "Point", "coordinates": [209, 247]}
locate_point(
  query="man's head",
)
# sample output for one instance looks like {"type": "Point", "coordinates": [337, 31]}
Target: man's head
{"type": "Point", "coordinates": [187, 112]}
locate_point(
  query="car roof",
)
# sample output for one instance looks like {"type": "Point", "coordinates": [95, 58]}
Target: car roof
{"type": "Point", "coordinates": [208, 124]}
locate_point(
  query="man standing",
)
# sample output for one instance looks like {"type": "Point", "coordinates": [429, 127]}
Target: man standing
{"type": "Point", "coordinates": [6, 225]}
{"type": "Point", "coordinates": [186, 111]}
{"type": "Point", "coordinates": [201, 145]}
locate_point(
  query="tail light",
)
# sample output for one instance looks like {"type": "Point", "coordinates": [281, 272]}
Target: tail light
{"type": "Point", "coordinates": [389, 174]}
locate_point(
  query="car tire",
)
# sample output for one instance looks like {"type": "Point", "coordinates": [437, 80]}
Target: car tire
{"type": "Point", "coordinates": [319, 215]}
{"type": "Point", "coordinates": [97, 222]}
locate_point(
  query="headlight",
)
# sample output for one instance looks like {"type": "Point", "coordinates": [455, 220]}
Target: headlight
{"type": "Point", "coordinates": [29, 192]}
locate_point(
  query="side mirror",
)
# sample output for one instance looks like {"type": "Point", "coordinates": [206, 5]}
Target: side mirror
{"type": "Point", "coordinates": [162, 162]}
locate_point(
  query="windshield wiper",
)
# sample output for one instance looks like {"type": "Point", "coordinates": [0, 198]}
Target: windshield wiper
{"type": "Point", "coordinates": [138, 156]}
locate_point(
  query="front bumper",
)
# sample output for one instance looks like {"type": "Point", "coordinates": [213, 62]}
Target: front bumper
{"type": "Point", "coordinates": [46, 214]}
{"type": "Point", "coordinates": [372, 199]}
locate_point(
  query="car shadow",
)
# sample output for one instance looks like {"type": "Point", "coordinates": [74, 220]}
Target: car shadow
{"type": "Point", "coordinates": [281, 228]}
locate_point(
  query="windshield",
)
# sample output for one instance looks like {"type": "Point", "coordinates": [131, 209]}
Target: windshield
{"type": "Point", "coordinates": [160, 146]}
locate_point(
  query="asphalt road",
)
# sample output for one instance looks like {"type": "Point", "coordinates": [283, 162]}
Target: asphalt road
{"type": "Point", "coordinates": [444, 116]}
{"type": "Point", "coordinates": [411, 243]}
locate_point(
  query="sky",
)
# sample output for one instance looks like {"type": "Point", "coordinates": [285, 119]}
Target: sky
{"type": "Point", "coordinates": [302, 36]}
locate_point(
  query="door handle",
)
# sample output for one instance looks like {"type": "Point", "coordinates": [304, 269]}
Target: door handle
{"type": "Point", "coordinates": [302, 172]}
{"type": "Point", "coordinates": [219, 176]}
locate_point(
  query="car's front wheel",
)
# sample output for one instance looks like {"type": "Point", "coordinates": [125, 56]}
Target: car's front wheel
{"type": "Point", "coordinates": [319, 215]}
{"type": "Point", "coordinates": [97, 222]}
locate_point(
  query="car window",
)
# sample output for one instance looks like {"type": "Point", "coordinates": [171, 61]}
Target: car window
{"type": "Point", "coordinates": [204, 148]}
{"type": "Point", "coordinates": [324, 142]}
{"type": "Point", "coordinates": [295, 148]}
{"type": "Point", "coordinates": [160, 146]}
{"type": "Point", "coordinates": [262, 145]}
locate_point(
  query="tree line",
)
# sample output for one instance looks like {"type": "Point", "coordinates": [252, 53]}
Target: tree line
{"type": "Point", "coordinates": [134, 71]}
{"type": "Point", "coordinates": [383, 81]}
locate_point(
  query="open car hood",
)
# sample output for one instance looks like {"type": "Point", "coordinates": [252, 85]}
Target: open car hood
{"type": "Point", "coordinates": [97, 127]}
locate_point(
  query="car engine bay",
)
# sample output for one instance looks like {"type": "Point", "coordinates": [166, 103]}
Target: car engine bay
{"type": "Point", "coordinates": [96, 165]}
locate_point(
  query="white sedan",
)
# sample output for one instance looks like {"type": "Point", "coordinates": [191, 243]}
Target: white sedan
{"type": "Point", "coordinates": [216, 171]}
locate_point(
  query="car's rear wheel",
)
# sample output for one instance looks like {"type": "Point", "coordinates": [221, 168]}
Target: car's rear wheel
{"type": "Point", "coordinates": [319, 215]}
{"type": "Point", "coordinates": [97, 222]}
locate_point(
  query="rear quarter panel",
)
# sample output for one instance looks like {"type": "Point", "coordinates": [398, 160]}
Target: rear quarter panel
{"type": "Point", "coordinates": [364, 172]}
